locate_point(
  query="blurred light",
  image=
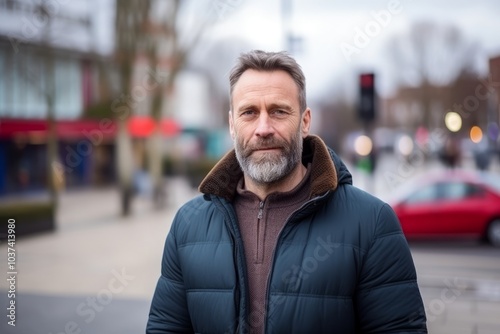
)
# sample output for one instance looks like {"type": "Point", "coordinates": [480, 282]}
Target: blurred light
{"type": "Point", "coordinates": [363, 145]}
{"type": "Point", "coordinates": [453, 121]}
{"type": "Point", "coordinates": [405, 145]}
{"type": "Point", "coordinates": [476, 134]}
{"type": "Point", "coordinates": [493, 131]}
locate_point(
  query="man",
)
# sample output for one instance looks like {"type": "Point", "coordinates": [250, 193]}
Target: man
{"type": "Point", "coordinates": [281, 242]}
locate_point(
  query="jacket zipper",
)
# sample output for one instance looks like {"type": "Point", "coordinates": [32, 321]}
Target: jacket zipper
{"type": "Point", "coordinates": [261, 207]}
{"type": "Point", "coordinates": [260, 242]}
{"type": "Point", "coordinates": [288, 221]}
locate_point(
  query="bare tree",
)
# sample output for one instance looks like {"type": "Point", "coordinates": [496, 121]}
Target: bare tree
{"type": "Point", "coordinates": [154, 29]}
{"type": "Point", "coordinates": [131, 16]}
{"type": "Point", "coordinates": [216, 60]}
{"type": "Point", "coordinates": [429, 55]}
{"type": "Point", "coordinates": [164, 42]}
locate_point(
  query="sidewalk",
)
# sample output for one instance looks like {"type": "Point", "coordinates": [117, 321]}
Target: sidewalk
{"type": "Point", "coordinates": [92, 239]}
{"type": "Point", "coordinates": [97, 270]}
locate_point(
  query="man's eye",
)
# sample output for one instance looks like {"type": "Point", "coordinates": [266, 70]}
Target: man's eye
{"type": "Point", "coordinates": [248, 112]}
{"type": "Point", "coordinates": [279, 112]}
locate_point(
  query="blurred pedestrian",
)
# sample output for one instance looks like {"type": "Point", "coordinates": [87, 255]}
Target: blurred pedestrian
{"type": "Point", "coordinates": [280, 241]}
{"type": "Point", "coordinates": [482, 155]}
{"type": "Point", "coordinates": [450, 153]}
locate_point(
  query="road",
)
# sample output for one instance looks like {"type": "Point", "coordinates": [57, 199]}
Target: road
{"type": "Point", "coordinates": [460, 285]}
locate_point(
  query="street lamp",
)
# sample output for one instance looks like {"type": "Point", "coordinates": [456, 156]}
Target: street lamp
{"type": "Point", "coordinates": [363, 145]}
{"type": "Point", "coordinates": [476, 134]}
{"type": "Point", "coordinates": [453, 121]}
{"type": "Point", "coordinates": [405, 145]}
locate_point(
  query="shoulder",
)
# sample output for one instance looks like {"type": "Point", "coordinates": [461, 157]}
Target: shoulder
{"type": "Point", "coordinates": [196, 219]}
{"type": "Point", "coordinates": [192, 210]}
{"type": "Point", "coordinates": [361, 214]}
{"type": "Point", "coordinates": [357, 203]}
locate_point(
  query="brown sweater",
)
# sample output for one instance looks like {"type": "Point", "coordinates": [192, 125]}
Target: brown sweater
{"type": "Point", "coordinates": [260, 225]}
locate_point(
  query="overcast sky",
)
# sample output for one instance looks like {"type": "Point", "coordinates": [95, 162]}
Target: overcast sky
{"type": "Point", "coordinates": [326, 29]}
{"type": "Point", "coordinates": [326, 26]}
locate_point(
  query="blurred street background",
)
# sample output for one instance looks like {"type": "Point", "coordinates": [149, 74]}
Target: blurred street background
{"type": "Point", "coordinates": [112, 112]}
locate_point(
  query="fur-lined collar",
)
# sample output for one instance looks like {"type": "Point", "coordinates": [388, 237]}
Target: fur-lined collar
{"type": "Point", "coordinates": [223, 178]}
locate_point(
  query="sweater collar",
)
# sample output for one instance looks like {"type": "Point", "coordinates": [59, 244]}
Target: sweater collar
{"type": "Point", "coordinates": [223, 179]}
{"type": "Point", "coordinates": [277, 199]}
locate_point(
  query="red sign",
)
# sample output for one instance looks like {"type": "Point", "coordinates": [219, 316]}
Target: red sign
{"type": "Point", "coordinates": [141, 126]}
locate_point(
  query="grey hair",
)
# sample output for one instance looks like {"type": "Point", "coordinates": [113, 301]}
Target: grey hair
{"type": "Point", "coordinates": [269, 61]}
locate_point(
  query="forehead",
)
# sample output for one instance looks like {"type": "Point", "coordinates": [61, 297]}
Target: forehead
{"type": "Point", "coordinates": [253, 84]}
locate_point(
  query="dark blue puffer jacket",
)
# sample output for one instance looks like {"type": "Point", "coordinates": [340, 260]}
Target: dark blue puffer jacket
{"type": "Point", "coordinates": [341, 264]}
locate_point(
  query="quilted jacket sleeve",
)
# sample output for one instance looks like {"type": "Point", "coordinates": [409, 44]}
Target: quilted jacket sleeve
{"type": "Point", "coordinates": [169, 313]}
{"type": "Point", "coordinates": [388, 298]}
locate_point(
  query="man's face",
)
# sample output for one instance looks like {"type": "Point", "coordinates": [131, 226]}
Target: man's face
{"type": "Point", "coordinates": [266, 125]}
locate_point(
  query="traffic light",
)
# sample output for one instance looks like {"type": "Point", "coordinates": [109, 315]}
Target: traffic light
{"type": "Point", "coordinates": [366, 108]}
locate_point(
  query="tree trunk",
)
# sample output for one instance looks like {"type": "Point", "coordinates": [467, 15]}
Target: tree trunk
{"type": "Point", "coordinates": [125, 166]}
{"type": "Point", "coordinates": [155, 155]}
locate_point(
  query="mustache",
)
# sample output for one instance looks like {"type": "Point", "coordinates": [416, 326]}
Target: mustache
{"type": "Point", "coordinates": [262, 144]}
{"type": "Point", "coordinates": [267, 143]}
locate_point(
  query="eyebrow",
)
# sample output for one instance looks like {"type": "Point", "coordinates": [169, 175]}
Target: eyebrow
{"type": "Point", "coordinates": [271, 106]}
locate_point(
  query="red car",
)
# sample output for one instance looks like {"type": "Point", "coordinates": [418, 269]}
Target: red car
{"type": "Point", "coordinates": [451, 204]}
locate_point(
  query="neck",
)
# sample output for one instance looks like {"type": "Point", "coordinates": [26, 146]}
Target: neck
{"type": "Point", "coordinates": [262, 190]}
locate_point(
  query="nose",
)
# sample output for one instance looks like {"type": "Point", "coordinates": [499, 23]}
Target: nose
{"type": "Point", "coordinates": [264, 125]}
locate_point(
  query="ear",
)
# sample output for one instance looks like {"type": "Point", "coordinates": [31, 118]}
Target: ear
{"type": "Point", "coordinates": [231, 125]}
{"type": "Point", "coordinates": [305, 123]}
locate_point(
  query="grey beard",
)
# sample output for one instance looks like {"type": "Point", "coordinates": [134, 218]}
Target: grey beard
{"type": "Point", "coordinates": [271, 169]}
{"type": "Point", "coordinates": [267, 171]}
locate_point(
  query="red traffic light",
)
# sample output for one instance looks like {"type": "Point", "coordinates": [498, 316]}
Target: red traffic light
{"type": "Point", "coordinates": [366, 80]}
{"type": "Point", "coordinates": [367, 103]}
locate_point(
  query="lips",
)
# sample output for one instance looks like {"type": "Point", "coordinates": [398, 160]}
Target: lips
{"type": "Point", "coordinates": [267, 148]}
